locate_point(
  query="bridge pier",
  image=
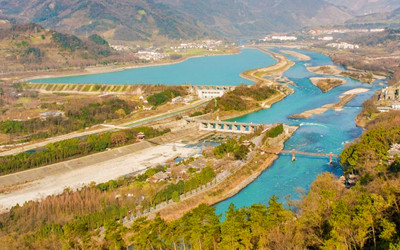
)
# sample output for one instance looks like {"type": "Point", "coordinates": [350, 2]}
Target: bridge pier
{"type": "Point", "coordinates": [293, 155]}
{"type": "Point", "coordinates": [330, 158]}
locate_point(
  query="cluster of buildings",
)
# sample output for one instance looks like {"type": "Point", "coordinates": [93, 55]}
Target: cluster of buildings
{"type": "Point", "coordinates": [51, 114]}
{"type": "Point", "coordinates": [343, 45]}
{"type": "Point", "coordinates": [207, 44]}
{"type": "Point", "coordinates": [390, 94]}
{"type": "Point", "coordinates": [182, 170]}
{"type": "Point", "coordinates": [210, 91]}
{"type": "Point", "coordinates": [315, 32]}
{"type": "Point", "coordinates": [151, 55]}
{"type": "Point", "coordinates": [279, 38]}
{"type": "Point", "coordinates": [325, 38]}
{"type": "Point", "coordinates": [122, 47]}
{"type": "Point", "coordinates": [185, 100]}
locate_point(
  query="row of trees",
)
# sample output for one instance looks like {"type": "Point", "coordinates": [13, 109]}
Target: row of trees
{"type": "Point", "coordinates": [77, 116]}
{"type": "Point", "coordinates": [72, 148]}
{"type": "Point", "coordinates": [173, 191]}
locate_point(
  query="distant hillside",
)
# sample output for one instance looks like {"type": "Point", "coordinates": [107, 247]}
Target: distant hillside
{"type": "Point", "coordinates": [114, 19]}
{"type": "Point", "coordinates": [31, 47]}
{"type": "Point", "coordinates": [254, 17]}
{"type": "Point", "coordinates": [380, 20]}
{"type": "Point", "coordinates": [173, 19]}
{"type": "Point", "coordinates": [366, 7]}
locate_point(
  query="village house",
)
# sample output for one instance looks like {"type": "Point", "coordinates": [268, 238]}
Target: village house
{"type": "Point", "coordinates": [390, 94]}
{"type": "Point", "coordinates": [343, 45]}
{"type": "Point", "coordinates": [51, 114]}
{"type": "Point", "coordinates": [177, 99]}
{"type": "Point", "coordinates": [393, 151]}
{"type": "Point", "coordinates": [147, 108]}
{"type": "Point", "coordinates": [160, 176]}
{"type": "Point", "coordinates": [179, 172]}
{"type": "Point", "coordinates": [140, 136]}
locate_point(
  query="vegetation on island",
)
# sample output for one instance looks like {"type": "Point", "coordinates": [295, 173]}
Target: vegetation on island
{"type": "Point", "coordinates": [231, 146]}
{"type": "Point", "coordinates": [165, 95]}
{"type": "Point", "coordinates": [73, 148]}
{"type": "Point", "coordinates": [327, 83]}
{"type": "Point", "coordinates": [275, 131]}
{"type": "Point", "coordinates": [242, 98]}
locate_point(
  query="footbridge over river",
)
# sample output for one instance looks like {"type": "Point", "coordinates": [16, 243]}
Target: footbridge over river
{"type": "Point", "coordinates": [294, 152]}
{"type": "Point", "coordinates": [228, 127]}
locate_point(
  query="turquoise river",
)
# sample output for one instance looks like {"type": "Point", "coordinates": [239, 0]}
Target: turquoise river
{"type": "Point", "coordinates": [327, 132]}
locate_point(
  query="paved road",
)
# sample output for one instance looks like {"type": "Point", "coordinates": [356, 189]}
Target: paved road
{"type": "Point", "coordinates": [129, 124]}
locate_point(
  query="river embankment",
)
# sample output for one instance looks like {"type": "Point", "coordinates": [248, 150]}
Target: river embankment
{"type": "Point", "coordinates": [296, 54]}
{"type": "Point", "coordinates": [231, 185]}
{"type": "Point", "coordinates": [258, 75]}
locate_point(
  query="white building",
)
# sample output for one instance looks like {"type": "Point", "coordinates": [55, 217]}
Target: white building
{"type": "Point", "coordinates": [284, 38]}
{"type": "Point", "coordinates": [343, 45]}
{"type": "Point", "coordinates": [177, 99]}
{"type": "Point", "coordinates": [326, 38]}
{"type": "Point", "coordinates": [210, 93]}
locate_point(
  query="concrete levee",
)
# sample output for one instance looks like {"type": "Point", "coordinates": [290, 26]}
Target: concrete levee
{"type": "Point", "coordinates": [41, 172]}
{"type": "Point", "coordinates": [57, 168]}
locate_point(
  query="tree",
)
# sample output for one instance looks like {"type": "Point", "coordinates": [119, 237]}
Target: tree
{"type": "Point", "coordinates": [235, 230]}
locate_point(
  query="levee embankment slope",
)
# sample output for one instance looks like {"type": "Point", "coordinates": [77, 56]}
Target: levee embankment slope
{"type": "Point", "coordinates": [101, 167]}
{"type": "Point", "coordinates": [58, 168]}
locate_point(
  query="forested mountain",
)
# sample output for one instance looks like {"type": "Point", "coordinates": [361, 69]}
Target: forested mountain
{"type": "Point", "coordinates": [173, 19]}
{"type": "Point", "coordinates": [31, 47]}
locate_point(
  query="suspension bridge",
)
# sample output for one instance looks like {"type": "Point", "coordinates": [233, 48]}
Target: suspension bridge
{"type": "Point", "coordinates": [294, 152]}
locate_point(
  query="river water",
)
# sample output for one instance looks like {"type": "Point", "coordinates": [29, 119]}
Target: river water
{"type": "Point", "coordinates": [216, 70]}
{"type": "Point", "coordinates": [325, 133]}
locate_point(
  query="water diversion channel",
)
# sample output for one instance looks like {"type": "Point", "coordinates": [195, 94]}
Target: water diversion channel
{"type": "Point", "coordinates": [325, 133]}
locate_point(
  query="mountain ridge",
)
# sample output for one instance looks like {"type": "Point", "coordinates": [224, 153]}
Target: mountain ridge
{"type": "Point", "coordinates": [147, 20]}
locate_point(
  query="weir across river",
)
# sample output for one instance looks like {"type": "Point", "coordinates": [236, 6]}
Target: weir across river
{"type": "Point", "coordinates": [228, 127]}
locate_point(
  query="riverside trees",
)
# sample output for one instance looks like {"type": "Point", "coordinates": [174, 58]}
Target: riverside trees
{"type": "Point", "coordinates": [77, 116]}
{"type": "Point", "coordinates": [76, 147]}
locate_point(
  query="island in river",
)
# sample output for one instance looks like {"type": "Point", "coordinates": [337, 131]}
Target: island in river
{"type": "Point", "coordinates": [327, 83]}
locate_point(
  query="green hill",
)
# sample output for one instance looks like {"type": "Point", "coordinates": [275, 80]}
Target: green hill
{"type": "Point", "coordinates": [31, 47]}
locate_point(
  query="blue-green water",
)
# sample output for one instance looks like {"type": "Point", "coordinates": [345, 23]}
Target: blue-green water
{"type": "Point", "coordinates": [327, 132]}
{"type": "Point", "coordinates": [216, 70]}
